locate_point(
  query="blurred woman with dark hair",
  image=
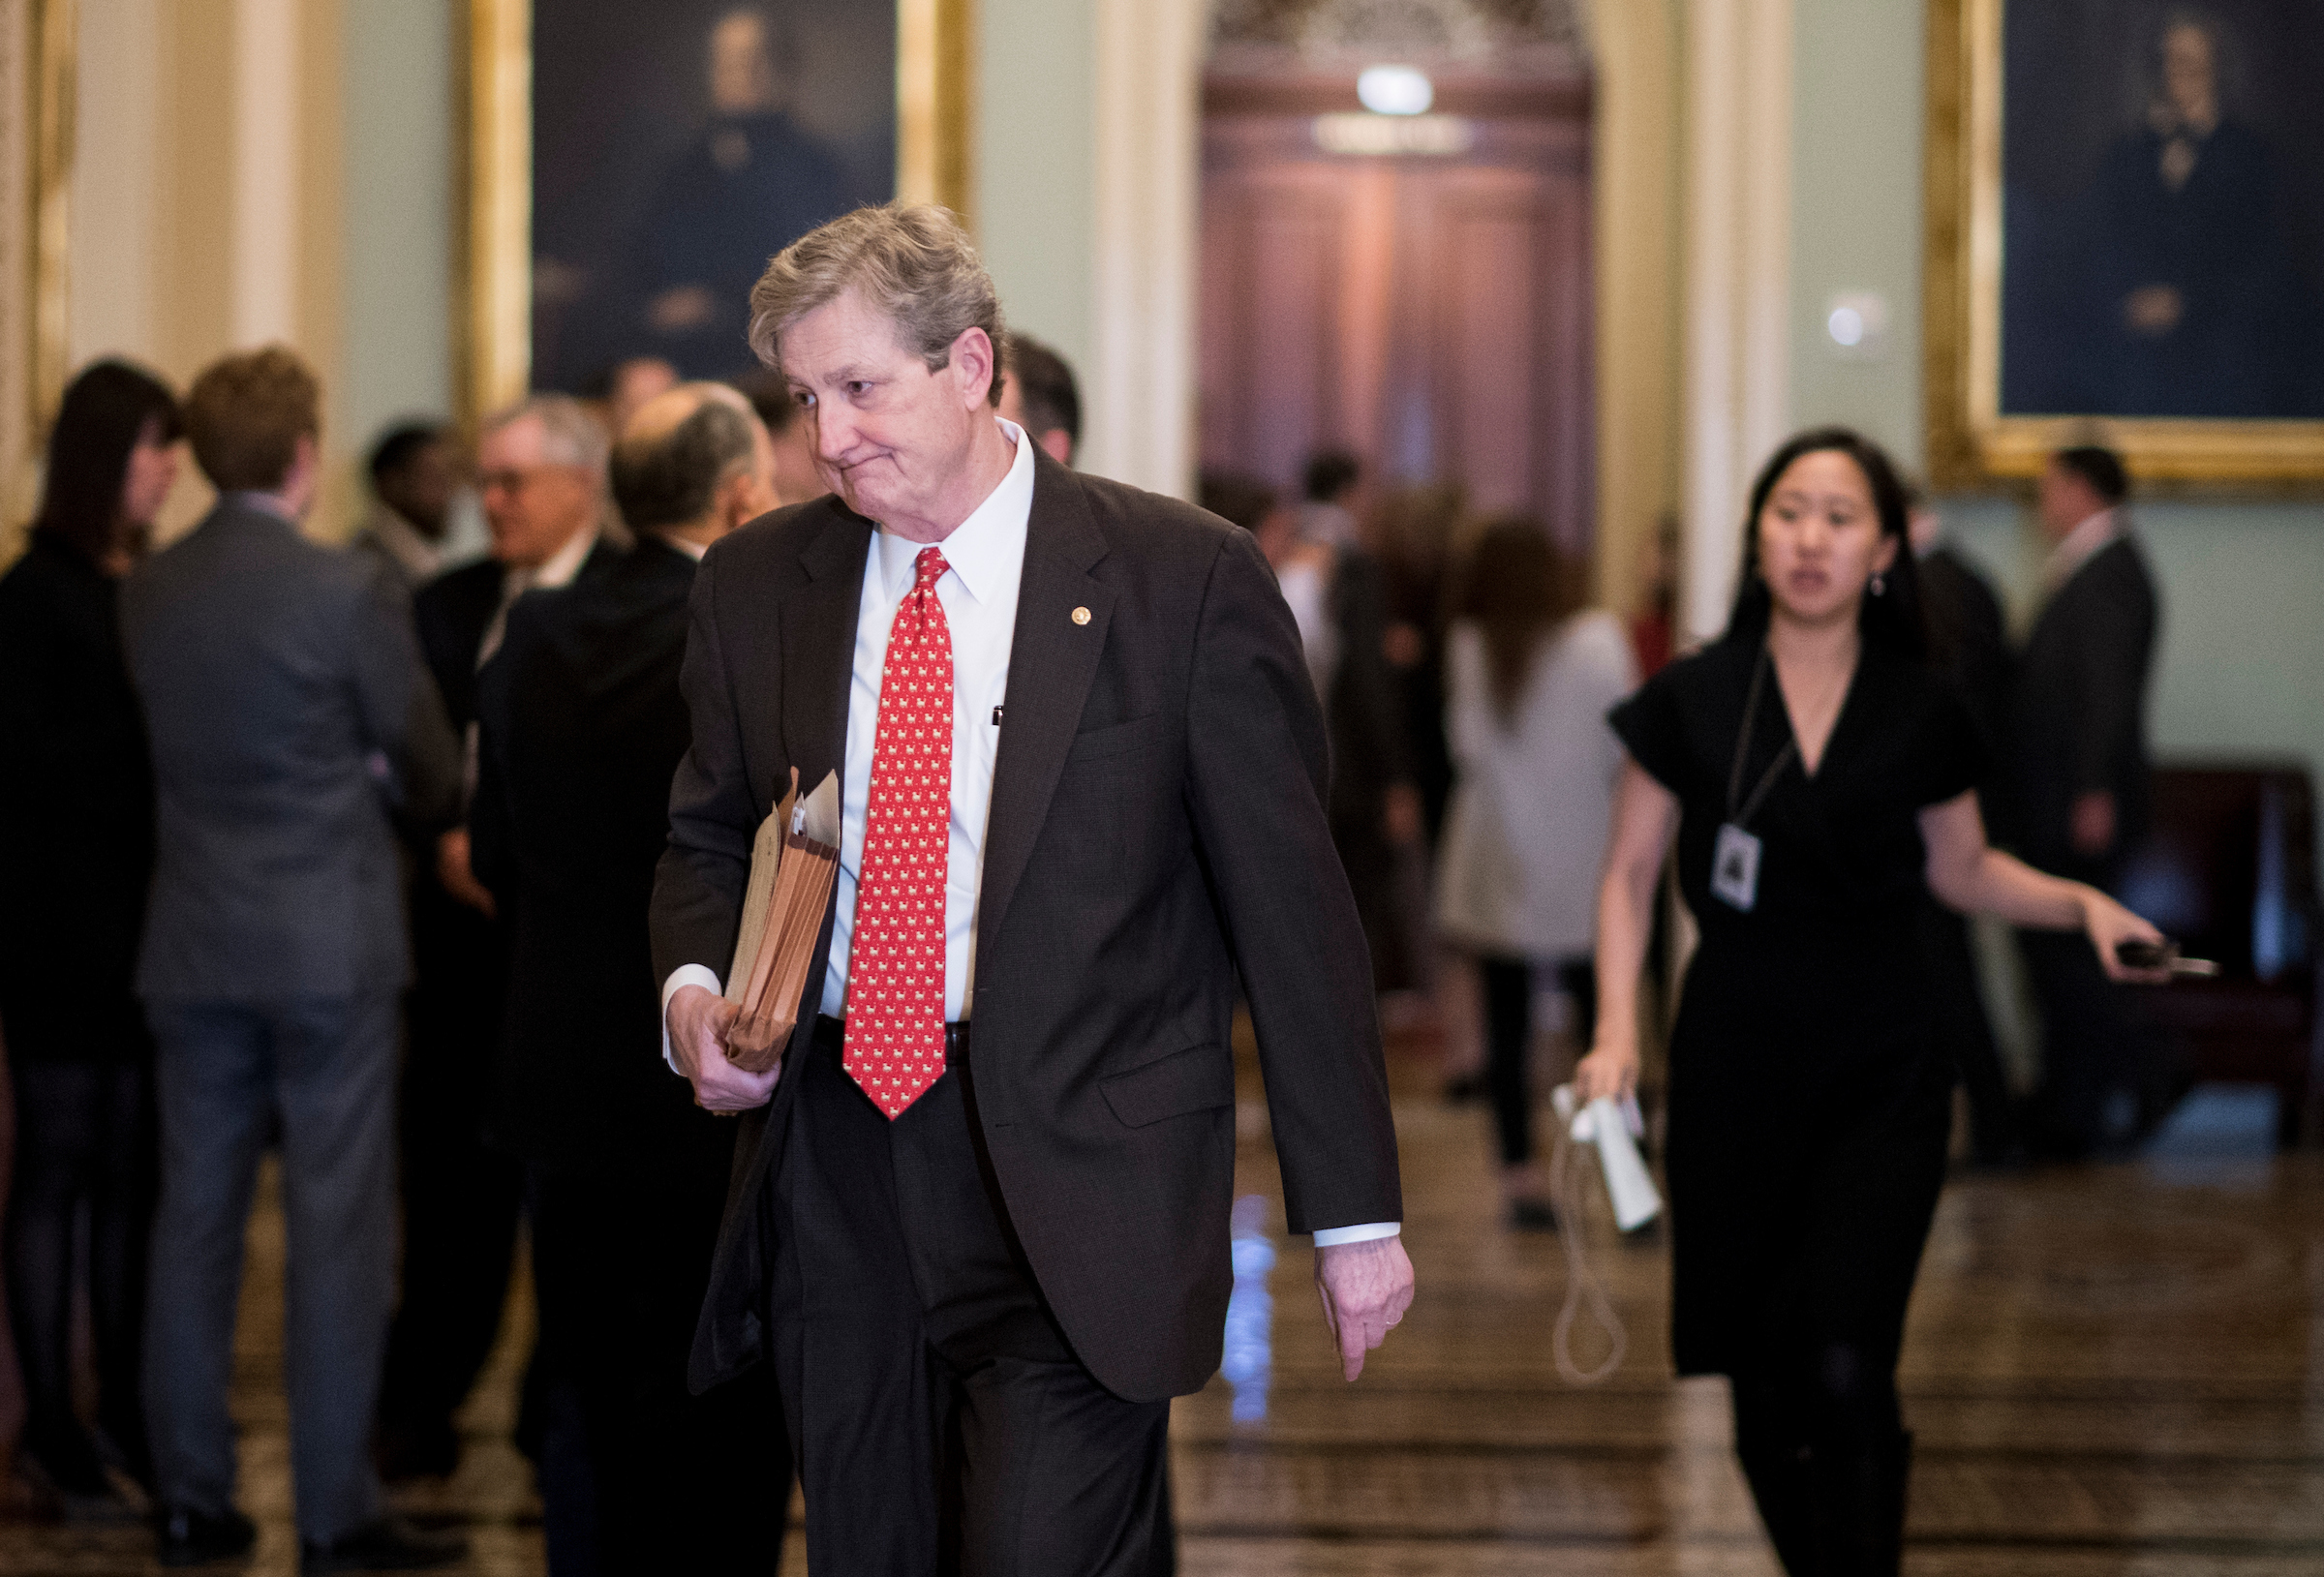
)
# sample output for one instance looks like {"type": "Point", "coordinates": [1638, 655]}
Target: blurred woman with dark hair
{"type": "Point", "coordinates": [1530, 674]}
{"type": "Point", "coordinates": [75, 853]}
{"type": "Point", "coordinates": [1818, 777]}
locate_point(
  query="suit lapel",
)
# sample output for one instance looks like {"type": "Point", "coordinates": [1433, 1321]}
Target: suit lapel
{"type": "Point", "coordinates": [818, 649]}
{"type": "Point", "coordinates": [1052, 660]}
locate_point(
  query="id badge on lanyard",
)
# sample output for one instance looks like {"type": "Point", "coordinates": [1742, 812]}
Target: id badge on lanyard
{"type": "Point", "coordinates": [1735, 867]}
{"type": "Point", "coordinates": [1736, 856]}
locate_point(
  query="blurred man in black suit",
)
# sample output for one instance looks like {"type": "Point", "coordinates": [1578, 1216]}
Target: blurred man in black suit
{"type": "Point", "coordinates": [583, 726]}
{"type": "Point", "coordinates": [542, 470]}
{"type": "Point", "coordinates": [1969, 645]}
{"type": "Point", "coordinates": [1040, 396]}
{"type": "Point", "coordinates": [2081, 780]}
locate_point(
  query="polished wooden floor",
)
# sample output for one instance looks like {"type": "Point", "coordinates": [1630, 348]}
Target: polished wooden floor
{"type": "Point", "coordinates": [2112, 1369]}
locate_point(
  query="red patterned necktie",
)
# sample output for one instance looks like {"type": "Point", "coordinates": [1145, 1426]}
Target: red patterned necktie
{"type": "Point", "coordinates": [895, 1045]}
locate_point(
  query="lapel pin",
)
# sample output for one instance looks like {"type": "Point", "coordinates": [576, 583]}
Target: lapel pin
{"type": "Point", "coordinates": [1080, 616]}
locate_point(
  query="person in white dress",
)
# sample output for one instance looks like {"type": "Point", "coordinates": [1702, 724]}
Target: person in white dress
{"type": "Point", "coordinates": [1530, 675]}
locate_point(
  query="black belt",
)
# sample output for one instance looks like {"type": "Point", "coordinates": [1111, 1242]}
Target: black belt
{"type": "Point", "coordinates": [832, 1032]}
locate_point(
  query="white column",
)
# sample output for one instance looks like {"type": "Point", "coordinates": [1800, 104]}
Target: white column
{"type": "Point", "coordinates": [1140, 392]}
{"type": "Point", "coordinates": [1738, 183]}
{"type": "Point", "coordinates": [265, 171]}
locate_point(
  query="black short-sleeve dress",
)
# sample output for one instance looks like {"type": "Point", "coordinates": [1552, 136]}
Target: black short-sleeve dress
{"type": "Point", "coordinates": [1810, 1103]}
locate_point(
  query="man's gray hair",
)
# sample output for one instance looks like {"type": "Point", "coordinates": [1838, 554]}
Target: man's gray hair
{"type": "Point", "coordinates": [574, 437]}
{"type": "Point", "coordinates": [673, 478]}
{"type": "Point", "coordinates": [912, 261]}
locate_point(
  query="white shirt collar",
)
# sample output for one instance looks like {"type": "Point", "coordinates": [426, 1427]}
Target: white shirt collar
{"type": "Point", "coordinates": [2082, 544]}
{"type": "Point", "coordinates": [986, 550]}
{"type": "Point", "coordinates": [404, 543]}
{"type": "Point", "coordinates": [691, 549]}
{"type": "Point", "coordinates": [266, 504]}
{"type": "Point", "coordinates": [560, 567]}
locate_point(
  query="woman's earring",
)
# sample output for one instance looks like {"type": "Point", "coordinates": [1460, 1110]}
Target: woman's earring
{"type": "Point", "coordinates": [1879, 585]}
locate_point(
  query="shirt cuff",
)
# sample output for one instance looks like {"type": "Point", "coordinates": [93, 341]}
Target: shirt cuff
{"type": "Point", "coordinates": [683, 975]}
{"type": "Point", "coordinates": [1330, 1238]}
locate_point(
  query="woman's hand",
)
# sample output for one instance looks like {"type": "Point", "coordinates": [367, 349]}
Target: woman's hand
{"type": "Point", "coordinates": [2108, 925]}
{"type": "Point", "coordinates": [1612, 1069]}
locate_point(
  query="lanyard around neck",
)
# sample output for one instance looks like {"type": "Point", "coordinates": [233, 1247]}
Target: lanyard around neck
{"type": "Point", "coordinates": [1740, 814]}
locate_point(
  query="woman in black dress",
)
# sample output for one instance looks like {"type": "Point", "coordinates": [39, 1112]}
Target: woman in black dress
{"type": "Point", "coordinates": [1818, 778]}
{"type": "Point", "coordinates": [75, 853]}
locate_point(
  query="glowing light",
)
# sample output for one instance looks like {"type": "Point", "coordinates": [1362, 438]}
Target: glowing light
{"type": "Point", "coordinates": [1845, 326]}
{"type": "Point", "coordinates": [1395, 90]}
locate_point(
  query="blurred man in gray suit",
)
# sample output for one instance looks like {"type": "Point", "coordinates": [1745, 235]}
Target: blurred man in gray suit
{"type": "Point", "coordinates": [289, 719]}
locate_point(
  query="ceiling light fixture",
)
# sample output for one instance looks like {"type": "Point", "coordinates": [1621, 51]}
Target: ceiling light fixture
{"type": "Point", "coordinates": [1395, 90]}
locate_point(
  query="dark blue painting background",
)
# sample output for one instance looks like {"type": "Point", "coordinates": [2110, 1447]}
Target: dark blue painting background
{"type": "Point", "coordinates": [2086, 219]}
{"type": "Point", "coordinates": [640, 188]}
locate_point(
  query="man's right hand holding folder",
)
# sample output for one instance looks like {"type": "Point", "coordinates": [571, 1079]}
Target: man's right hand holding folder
{"type": "Point", "coordinates": [730, 1047]}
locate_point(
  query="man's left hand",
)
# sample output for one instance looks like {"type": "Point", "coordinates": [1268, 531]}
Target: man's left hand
{"type": "Point", "coordinates": [1365, 1287]}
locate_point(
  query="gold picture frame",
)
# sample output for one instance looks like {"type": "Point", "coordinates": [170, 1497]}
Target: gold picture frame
{"type": "Point", "coordinates": [1971, 441]}
{"type": "Point", "coordinates": [35, 188]}
{"type": "Point", "coordinates": [934, 68]}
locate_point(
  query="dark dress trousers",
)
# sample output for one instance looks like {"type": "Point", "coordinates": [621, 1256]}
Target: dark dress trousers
{"type": "Point", "coordinates": [582, 727]}
{"type": "Point", "coordinates": [1050, 1217]}
{"type": "Point", "coordinates": [1969, 648]}
{"type": "Point", "coordinates": [75, 856]}
{"type": "Point", "coordinates": [289, 721]}
{"type": "Point", "coordinates": [2078, 724]}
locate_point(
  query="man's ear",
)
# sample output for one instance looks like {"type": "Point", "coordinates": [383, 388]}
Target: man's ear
{"type": "Point", "coordinates": [975, 365]}
{"type": "Point", "coordinates": [1057, 444]}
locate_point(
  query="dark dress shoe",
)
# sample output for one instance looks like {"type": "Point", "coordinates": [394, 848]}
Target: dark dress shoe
{"type": "Point", "coordinates": [390, 1544]}
{"type": "Point", "coordinates": [407, 1453]}
{"type": "Point", "coordinates": [192, 1538]}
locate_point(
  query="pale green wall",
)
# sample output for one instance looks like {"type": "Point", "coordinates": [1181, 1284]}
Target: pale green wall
{"type": "Point", "coordinates": [2242, 666]}
{"type": "Point", "coordinates": [1036, 168]}
{"type": "Point", "coordinates": [398, 77]}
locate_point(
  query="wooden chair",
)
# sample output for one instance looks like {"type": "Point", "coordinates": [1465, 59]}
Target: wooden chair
{"type": "Point", "coordinates": [2228, 869]}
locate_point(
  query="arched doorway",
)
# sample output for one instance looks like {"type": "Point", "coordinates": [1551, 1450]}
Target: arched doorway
{"type": "Point", "coordinates": [1415, 288]}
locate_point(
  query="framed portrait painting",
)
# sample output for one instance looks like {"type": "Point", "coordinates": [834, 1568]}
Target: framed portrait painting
{"type": "Point", "coordinates": [633, 168]}
{"type": "Point", "coordinates": [2125, 237]}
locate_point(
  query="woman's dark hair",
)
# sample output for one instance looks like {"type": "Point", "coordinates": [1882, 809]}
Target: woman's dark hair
{"type": "Point", "coordinates": [106, 410]}
{"type": "Point", "coordinates": [1891, 619]}
{"type": "Point", "coordinates": [1517, 588]}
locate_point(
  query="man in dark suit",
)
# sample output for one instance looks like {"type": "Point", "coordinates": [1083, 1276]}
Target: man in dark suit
{"type": "Point", "coordinates": [290, 717]}
{"type": "Point", "coordinates": [2080, 779]}
{"type": "Point", "coordinates": [1969, 644]}
{"type": "Point", "coordinates": [542, 470]}
{"type": "Point", "coordinates": [1081, 771]}
{"type": "Point", "coordinates": [1040, 395]}
{"type": "Point", "coordinates": [582, 727]}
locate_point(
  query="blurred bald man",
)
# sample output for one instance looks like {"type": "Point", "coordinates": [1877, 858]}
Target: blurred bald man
{"type": "Point", "coordinates": [582, 729]}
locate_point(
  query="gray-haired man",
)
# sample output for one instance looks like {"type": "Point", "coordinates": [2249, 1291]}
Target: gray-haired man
{"type": "Point", "coordinates": [1080, 772]}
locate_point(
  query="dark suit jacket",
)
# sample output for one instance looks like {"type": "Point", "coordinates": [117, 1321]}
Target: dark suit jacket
{"type": "Point", "coordinates": [460, 952]}
{"type": "Point", "coordinates": [2080, 712]}
{"type": "Point", "coordinates": [279, 679]}
{"type": "Point", "coordinates": [1969, 644]}
{"type": "Point", "coordinates": [583, 726]}
{"type": "Point", "coordinates": [1157, 825]}
{"type": "Point", "coordinates": [75, 811]}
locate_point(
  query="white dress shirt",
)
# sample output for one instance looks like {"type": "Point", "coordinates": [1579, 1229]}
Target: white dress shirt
{"type": "Point", "coordinates": [984, 559]}
{"type": "Point", "coordinates": [2090, 537]}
